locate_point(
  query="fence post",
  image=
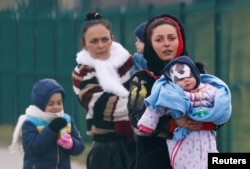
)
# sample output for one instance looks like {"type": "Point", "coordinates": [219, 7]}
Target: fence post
{"type": "Point", "coordinates": [86, 6]}
{"type": "Point", "coordinates": [150, 9]}
{"type": "Point", "coordinates": [225, 130]}
{"type": "Point", "coordinates": [122, 25]}
{"type": "Point", "coordinates": [182, 12]}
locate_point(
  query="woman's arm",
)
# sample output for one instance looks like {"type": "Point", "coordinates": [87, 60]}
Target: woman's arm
{"type": "Point", "coordinates": [191, 124]}
{"type": "Point", "coordinates": [138, 92]}
{"type": "Point", "coordinates": [140, 88]}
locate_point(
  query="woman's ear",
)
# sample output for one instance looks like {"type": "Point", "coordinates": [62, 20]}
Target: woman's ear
{"type": "Point", "coordinates": [112, 37]}
{"type": "Point", "coordinates": [82, 43]}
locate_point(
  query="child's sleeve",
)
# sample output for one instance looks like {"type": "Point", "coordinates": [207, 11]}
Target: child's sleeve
{"type": "Point", "coordinates": [149, 120]}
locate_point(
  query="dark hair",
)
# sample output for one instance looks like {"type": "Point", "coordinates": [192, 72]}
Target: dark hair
{"type": "Point", "coordinates": [201, 67]}
{"type": "Point", "coordinates": [94, 18]}
{"type": "Point", "coordinates": [157, 23]}
{"type": "Point", "coordinates": [154, 63]}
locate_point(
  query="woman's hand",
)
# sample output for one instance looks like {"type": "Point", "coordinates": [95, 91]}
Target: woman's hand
{"type": "Point", "coordinates": [188, 123]}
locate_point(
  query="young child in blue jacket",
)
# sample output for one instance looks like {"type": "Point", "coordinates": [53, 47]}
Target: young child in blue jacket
{"type": "Point", "coordinates": [139, 61]}
{"type": "Point", "coordinates": [49, 136]}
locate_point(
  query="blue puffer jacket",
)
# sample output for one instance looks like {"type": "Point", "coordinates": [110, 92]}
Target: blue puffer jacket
{"type": "Point", "coordinates": [41, 149]}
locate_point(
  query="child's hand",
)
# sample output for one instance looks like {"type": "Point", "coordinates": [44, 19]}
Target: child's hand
{"type": "Point", "coordinates": [57, 124]}
{"type": "Point", "coordinates": [65, 141]}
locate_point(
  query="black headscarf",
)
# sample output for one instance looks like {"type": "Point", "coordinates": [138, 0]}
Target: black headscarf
{"type": "Point", "coordinates": [154, 63]}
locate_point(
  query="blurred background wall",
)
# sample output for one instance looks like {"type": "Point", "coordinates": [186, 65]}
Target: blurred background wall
{"type": "Point", "coordinates": [40, 38]}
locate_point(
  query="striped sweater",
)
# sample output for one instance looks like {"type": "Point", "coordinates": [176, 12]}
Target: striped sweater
{"type": "Point", "coordinates": [102, 90]}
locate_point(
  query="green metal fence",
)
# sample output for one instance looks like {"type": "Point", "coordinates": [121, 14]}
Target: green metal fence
{"type": "Point", "coordinates": [38, 41]}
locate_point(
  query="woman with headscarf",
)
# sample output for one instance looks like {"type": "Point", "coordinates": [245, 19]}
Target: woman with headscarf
{"type": "Point", "coordinates": [164, 40]}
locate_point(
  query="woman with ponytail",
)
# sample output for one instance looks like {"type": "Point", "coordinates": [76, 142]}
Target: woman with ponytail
{"type": "Point", "coordinates": [101, 84]}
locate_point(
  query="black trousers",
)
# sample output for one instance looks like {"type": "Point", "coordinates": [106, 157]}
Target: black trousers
{"type": "Point", "coordinates": [111, 155]}
{"type": "Point", "coordinates": [152, 153]}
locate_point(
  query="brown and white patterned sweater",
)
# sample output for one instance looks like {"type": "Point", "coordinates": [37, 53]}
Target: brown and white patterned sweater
{"type": "Point", "coordinates": [102, 89]}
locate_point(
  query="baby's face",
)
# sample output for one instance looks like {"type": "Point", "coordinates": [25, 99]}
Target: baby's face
{"type": "Point", "coordinates": [187, 83]}
{"type": "Point", "coordinates": [55, 103]}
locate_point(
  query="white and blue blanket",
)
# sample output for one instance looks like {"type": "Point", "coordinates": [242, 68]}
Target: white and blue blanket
{"type": "Point", "coordinates": [166, 94]}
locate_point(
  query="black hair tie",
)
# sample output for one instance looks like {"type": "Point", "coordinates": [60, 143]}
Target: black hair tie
{"type": "Point", "coordinates": [93, 16]}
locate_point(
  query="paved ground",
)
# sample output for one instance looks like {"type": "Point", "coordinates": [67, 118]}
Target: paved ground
{"type": "Point", "coordinates": [14, 161]}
